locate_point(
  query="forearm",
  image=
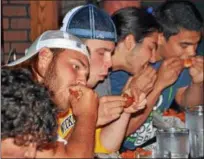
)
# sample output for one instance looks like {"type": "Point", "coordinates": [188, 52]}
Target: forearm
{"type": "Point", "coordinates": [139, 118]}
{"type": "Point", "coordinates": [82, 140]}
{"type": "Point", "coordinates": [193, 95]}
{"type": "Point", "coordinates": [113, 134]}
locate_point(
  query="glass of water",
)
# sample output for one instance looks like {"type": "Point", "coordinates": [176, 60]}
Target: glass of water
{"type": "Point", "coordinates": [174, 140]}
{"type": "Point", "coordinates": [161, 154]}
{"type": "Point", "coordinates": [196, 145]}
{"type": "Point", "coordinates": [194, 122]}
{"type": "Point", "coordinates": [194, 117]}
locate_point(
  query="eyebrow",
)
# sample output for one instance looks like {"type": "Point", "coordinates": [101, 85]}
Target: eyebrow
{"type": "Point", "coordinates": [80, 61]}
{"type": "Point", "coordinates": [189, 43]}
{"type": "Point", "coordinates": [106, 49]}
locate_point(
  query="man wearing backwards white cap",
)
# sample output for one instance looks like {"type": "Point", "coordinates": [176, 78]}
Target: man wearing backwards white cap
{"type": "Point", "coordinates": [60, 62]}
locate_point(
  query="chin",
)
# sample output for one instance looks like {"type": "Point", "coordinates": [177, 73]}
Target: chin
{"type": "Point", "coordinates": [90, 85]}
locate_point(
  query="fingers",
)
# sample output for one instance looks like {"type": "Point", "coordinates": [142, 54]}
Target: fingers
{"type": "Point", "coordinates": [114, 104]}
{"type": "Point", "coordinates": [79, 89]}
{"type": "Point", "coordinates": [150, 71]}
{"type": "Point", "coordinates": [142, 104]}
{"type": "Point", "coordinates": [193, 71]}
{"type": "Point", "coordinates": [198, 67]}
{"type": "Point", "coordinates": [116, 111]}
{"type": "Point", "coordinates": [136, 106]}
{"type": "Point", "coordinates": [142, 97]}
{"type": "Point", "coordinates": [154, 78]}
{"type": "Point", "coordinates": [105, 99]}
{"type": "Point", "coordinates": [132, 109]}
{"type": "Point", "coordinates": [173, 64]}
{"type": "Point", "coordinates": [115, 116]}
{"type": "Point", "coordinates": [170, 60]}
{"type": "Point", "coordinates": [176, 63]}
{"type": "Point", "coordinates": [176, 66]}
{"type": "Point", "coordinates": [146, 71]}
{"type": "Point", "coordinates": [199, 59]}
{"type": "Point", "coordinates": [135, 93]}
{"type": "Point", "coordinates": [150, 86]}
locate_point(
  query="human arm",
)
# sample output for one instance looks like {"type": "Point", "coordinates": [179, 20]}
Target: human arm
{"type": "Point", "coordinates": [110, 109]}
{"type": "Point", "coordinates": [144, 81]}
{"type": "Point", "coordinates": [192, 95]}
{"type": "Point", "coordinates": [82, 139]}
{"type": "Point", "coordinates": [113, 134]}
{"type": "Point", "coordinates": [166, 75]}
{"type": "Point", "coordinates": [115, 131]}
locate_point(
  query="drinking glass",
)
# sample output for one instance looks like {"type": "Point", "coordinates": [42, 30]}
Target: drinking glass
{"type": "Point", "coordinates": [194, 122]}
{"type": "Point", "coordinates": [194, 117]}
{"type": "Point", "coordinates": [174, 140]}
{"type": "Point", "coordinates": [161, 154]}
{"type": "Point", "coordinates": [196, 145]}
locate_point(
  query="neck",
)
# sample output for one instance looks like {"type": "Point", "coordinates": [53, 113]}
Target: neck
{"type": "Point", "coordinates": [120, 62]}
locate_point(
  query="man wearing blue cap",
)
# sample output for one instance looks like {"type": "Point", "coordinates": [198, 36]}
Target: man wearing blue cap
{"type": "Point", "coordinates": [97, 30]}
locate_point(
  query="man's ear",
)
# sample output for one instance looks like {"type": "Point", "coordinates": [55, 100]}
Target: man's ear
{"type": "Point", "coordinates": [161, 39]}
{"type": "Point", "coordinates": [129, 42]}
{"type": "Point", "coordinates": [44, 59]}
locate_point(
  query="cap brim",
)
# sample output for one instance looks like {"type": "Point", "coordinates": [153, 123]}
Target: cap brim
{"type": "Point", "coordinates": [19, 61]}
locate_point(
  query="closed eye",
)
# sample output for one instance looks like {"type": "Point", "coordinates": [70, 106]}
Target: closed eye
{"type": "Point", "coordinates": [76, 67]}
{"type": "Point", "coordinates": [101, 53]}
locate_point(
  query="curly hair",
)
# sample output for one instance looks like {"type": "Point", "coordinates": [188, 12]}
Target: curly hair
{"type": "Point", "coordinates": [27, 113]}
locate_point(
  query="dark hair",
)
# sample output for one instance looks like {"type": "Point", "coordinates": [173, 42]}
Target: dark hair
{"type": "Point", "coordinates": [136, 21]}
{"type": "Point", "coordinates": [27, 113]}
{"type": "Point", "coordinates": [176, 15]}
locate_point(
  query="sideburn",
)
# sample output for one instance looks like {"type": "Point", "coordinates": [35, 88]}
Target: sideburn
{"type": "Point", "coordinates": [50, 76]}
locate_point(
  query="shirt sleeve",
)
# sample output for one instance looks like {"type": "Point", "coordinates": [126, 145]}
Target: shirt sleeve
{"type": "Point", "coordinates": [99, 148]}
{"type": "Point", "coordinates": [184, 79]}
{"type": "Point", "coordinates": [103, 88]}
{"type": "Point", "coordinates": [118, 80]}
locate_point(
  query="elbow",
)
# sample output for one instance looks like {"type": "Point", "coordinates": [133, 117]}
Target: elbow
{"type": "Point", "coordinates": [79, 154]}
{"type": "Point", "coordinates": [112, 148]}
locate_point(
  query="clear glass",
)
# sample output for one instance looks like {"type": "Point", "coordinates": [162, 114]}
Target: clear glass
{"type": "Point", "coordinates": [194, 122]}
{"type": "Point", "coordinates": [159, 154]}
{"type": "Point", "coordinates": [194, 117]}
{"type": "Point", "coordinates": [174, 140]}
{"type": "Point", "coordinates": [196, 145]}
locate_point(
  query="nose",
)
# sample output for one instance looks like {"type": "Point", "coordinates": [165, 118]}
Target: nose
{"type": "Point", "coordinates": [192, 51]}
{"type": "Point", "coordinates": [107, 63]}
{"type": "Point", "coordinates": [81, 81]}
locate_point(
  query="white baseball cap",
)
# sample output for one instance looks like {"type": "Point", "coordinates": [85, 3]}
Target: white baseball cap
{"type": "Point", "coordinates": [53, 39]}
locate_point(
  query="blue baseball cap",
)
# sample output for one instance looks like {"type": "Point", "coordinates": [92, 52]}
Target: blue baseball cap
{"type": "Point", "coordinates": [90, 22]}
